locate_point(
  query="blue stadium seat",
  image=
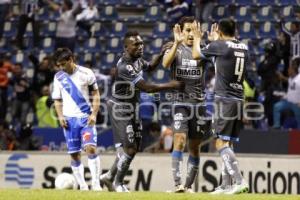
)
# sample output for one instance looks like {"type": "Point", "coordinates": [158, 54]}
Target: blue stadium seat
{"type": "Point", "coordinates": [108, 61]}
{"type": "Point", "coordinates": [43, 14]}
{"type": "Point", "coordinates": [9, 30]}
{"type": "Point", "coordinates": [21, 57]}
{"type": "Point", "coordinates": [287, 13]}
{"type": "Point", "coordinates": [266, 2]}
{"type": "Point", "coordinates": [155, 46]}
{"type": "Point", "coordinates": [92, 45]}
{"type": "Point", "coordinates": [267, 30]}
{"type": "Point", "coordinates": [114, 45]}
{"type": "Point", "coordinates": [162, 29]}
{"type": "Point", "coordinates": [246, 30]}
{"type": "Point", "coordinates": [54, 15]}
{"type": "Point", "coordinates": [153, 13]}
{"type": "Point", "coordinates": [118, 29]}
{"type": "Point", "coordinates": [48, 45]}
{"type": "Point", "coordinates": [220, 12]}
{"type": "Point", "coordinates": [243, 13]}
{"type": "Point", "coordinates": [161, 75]}
{"type": "Point", "coordinates": [28, 31]}
{"type": "Point", "coordinates": [100, 30]}
{"type": "Point", "coordinates": [48, 29]}
{"type": "Point", "coordinates": [5, 45]}
{"type": "Point", "coordinates": [266, 14]}
{"type": "Point", "coordinates": [109, 13]}
{"type": "Point", "coordinates": [288, 2]}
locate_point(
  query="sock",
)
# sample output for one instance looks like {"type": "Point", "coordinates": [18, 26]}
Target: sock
{"type": "Point", "coordinates": [231, 164]}
{"type": "Point", "coordinates": [176, 166]}
{"type": "Point", "coordinates": [123, 166]}
{"type": "Point", "coordinates": [226, 179]}
{"type": "Point", "coordinates": [94, 166]}
{"type": "Point", "coordinates": [78, 171]}
{"type": "Point", "coordinates": [192, 171]}
{"type": "Point", "coordinates": [113, 170]}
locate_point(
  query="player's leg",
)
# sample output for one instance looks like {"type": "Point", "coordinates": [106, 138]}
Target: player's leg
{"type": "Point", "coordinates": [73, 140]}
{"type": "Point", "coordinates": [89, 140]}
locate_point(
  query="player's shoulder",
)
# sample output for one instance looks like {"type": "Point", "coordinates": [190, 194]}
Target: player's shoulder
{"type": "Point", "coordinates": [84, 70]}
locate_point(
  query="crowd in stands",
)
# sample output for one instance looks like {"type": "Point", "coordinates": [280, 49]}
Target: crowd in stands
{"type": "Point", "coordinates": [93, 30]}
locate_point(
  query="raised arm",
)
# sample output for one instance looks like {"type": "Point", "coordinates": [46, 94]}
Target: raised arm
{"type": "Point", "coordinates": [53, 5]}
{"type": "Point", "coordinates": [157, 59]}
{"type": "Point", "coordinates": [170, 55]}
{"type": "Point", "coordinates": [150, 87]}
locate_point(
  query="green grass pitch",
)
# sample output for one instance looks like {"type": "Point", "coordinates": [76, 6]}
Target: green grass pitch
{"type": "Point", "coordinates": [30, 194]}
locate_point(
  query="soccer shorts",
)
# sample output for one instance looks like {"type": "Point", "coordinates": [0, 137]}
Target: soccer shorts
{"type": "Point", "coordinates": [79, 134]}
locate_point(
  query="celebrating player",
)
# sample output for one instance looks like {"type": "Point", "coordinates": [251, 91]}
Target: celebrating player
{"type": "Point", "coordinates": [189, 109]}
{"type": "Point", "coordinates": [230, 58]}
{"type": "Point", "coordinates": [76, 115]}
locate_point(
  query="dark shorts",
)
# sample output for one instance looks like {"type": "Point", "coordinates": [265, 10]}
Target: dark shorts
{"type": "Point", "coordinates": [126, 128]}
{"type": "Point", "coordinates": [192, 120]}
{"type": "Point", "coordinates": [228, 119]}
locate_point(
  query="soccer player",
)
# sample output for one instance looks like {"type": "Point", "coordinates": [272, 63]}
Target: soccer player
{"type": "Point", "coordinates": [76, 114]}
{"type": "Point", "coordinates": [189, 111]}
{"type": "Point", "coordinates": [230, 58]}
{"type": "Point", "coordinates": [123, 106]}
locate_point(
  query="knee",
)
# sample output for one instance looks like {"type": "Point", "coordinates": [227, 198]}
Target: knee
{"type": "Point", "coordinates": [75, 156]}
{"type": "Point", "coordinates": [179, 141]}
{"type": "Point", "coordinates": [90, 149]}
{"type": "Point", "coordinates": [220, 144]}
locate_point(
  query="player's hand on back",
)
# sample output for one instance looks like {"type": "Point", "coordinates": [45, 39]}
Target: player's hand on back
{"type": "Point", "coordinates": [165, 47]}
{"type": "Point", "coordinates": [92, 120]}
{"type": "Point", "coordinates": [178, 36]}
{"type": "Point", "coordinates": [213, 35]}
{"type": "Point", "coordinates": [63, 123]}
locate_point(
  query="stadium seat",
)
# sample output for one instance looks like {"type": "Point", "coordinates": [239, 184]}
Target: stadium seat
{"type": "Point", "coordinates": [43, 14]}
{"type": "Point", "coordinates": [9, 30]}
{"type": "Point", "coordinates": [161, 75]}
{"type": "Point", "coordinates": [287, 13]}
{"type": "Point", "coordinates": [153, 13]}
{"type": "Point", "coordinates": [28, 31]}
{"type": "Point", "coordinates": [92, 45]}
{"type": "Point", "coordinates": [162, 29]}
{"type": "Point", "coordinates": [155, 45]}
{"type": "Point", "coordinates": [100, 30]}
{"type": "Point", "coordinates": [266, 14]}
{"type": "Point", "coordinates": [114, 45]}
{"type": "Point", "coordinates": [267, 30]}
{"type": "Point", "coordinates": [109, 13]}
{"type": "Point", "coordinates": [246, 30]}
{"type": "Point", "coordinates": [118, 29]}
{"type": "Point", "coordinates": [54, 15]}
{"type": "Point", "coordinates": [108, 61]}
{"type": "Point", "coordinates": [266, 2]}
{"type": "Point", "coordinates": [21, 57]}
{"type": "Point", "coordinates": [220, 12]}
{"type": "Point", "coordinates": [288, 2]}
{"type": "Point", "coordinates": [4, 45]}
{"type": "Point", "coordinates": [48, 29]}
{"type": "Point", "coordinates": [48, 45]}
{"type": "Point", "coordinates": [243, 13]}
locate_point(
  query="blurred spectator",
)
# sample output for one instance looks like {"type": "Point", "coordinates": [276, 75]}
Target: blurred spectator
{"type": "Point", "coordinates": [177, 9]}
{"type": "Point", "coordinates": [43, 75]}
{"type": "Point", "coordinates": [66, 26]}
{"type": "Point", "coordinates": [292, 99]}
{"type": "Point", "coordinates": [284, 51]}
{"type": "Point", "coordinates": [27, 141]}
{"type": "Point", "coordinates": [44, 111]}
{"type": "Point", "coordinates": [267, 69]}
{"type": "Point", "coordinates": [5, 67]}
{"type": "Point", "coordinates": [28, 10]}
{"type": "Point", "coordinates": [86, 18]}
{"type": "Point", "coordinates": [294, 34]}
{"type": "Point", "coordinates": [21, 101]}
{"type": "Point", "coordinates": [8, 139]}
{"type": "Point", "coordinates": [4, 13]}
{"type": "Point", "coordinates": [204, 9]}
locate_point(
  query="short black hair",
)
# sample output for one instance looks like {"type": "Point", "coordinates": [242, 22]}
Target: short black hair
{"type": "Point", "coordinates": [69, 3]}
{"type": "Point", "coordinates": [131, 34]}
{"type": "Point", "coordinates": [185, 19]}
{"type": "Point", "coordinates": [62, 54]}
{"type": "Point", "coordinates": [227, 27]}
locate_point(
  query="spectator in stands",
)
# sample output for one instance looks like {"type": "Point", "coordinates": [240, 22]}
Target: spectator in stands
{"type": "Point", "coordinates": [4, 13]}
{"type": "Point", "coordinates": [5, 67]}
{"type": "Point", "coordinates": [204, 9]}
{"type": "Point", "coordinates": [292, 99]}
{"type": "Point", "coordinates": [28, 12]}
{"type": "Point", "coordinates": [86, 18]}
{"type": "Point", "coordinates": [44, 111]}
{"type": "Point", "coordinates": [8, 139]}
{"type": "Point", "coordinates": [176, 9]}
{"type": "Point", "coordinates": [27, 141]}
{"type": "Point", "coordinates": [267, 69]}
{"type": "Point", "coordinates": [21, 101]}
{"type": "Point", "coordinates": [294, 34]}
{"type": "Point", "coordinates": [43, 75]}
{"type": "Point", "coordinates": [66, 26]}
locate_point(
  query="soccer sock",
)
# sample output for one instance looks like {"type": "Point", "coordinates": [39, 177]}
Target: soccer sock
{"type": "Point", "coordinates": [231, 164]}
{"type": "Point", "coordinates": [176, 166]}
{"type": "Point", "coordinates": [78, 171]}
{"type": "Point", "coordinates": [94, 166]}
{"type": "Point", "coordinates": [192, 170]}
{"type": "Point", "coordinates": [226, 179]}
{"type": "Point", "coordinates": [113, 170]}
{"type": "Point", "coordinates": [123, 166]}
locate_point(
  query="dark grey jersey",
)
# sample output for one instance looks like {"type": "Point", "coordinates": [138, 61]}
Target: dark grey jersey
{"type": "Point", "coordinates": [128, 74]}
{"type": "Point", "coordinates": [230, 59]}
{"type": "Point", "coordinates": [184, 68]}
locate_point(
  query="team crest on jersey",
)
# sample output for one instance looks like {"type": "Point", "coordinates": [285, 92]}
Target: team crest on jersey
{"type": "Point", "coordinates": [177, 120]}
{"type": "Point", "coordinates": [86, 136]}
{"type": "Point", "coordinates": [130, 133]}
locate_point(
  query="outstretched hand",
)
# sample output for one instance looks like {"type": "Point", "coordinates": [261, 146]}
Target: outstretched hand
{"type": "Point", "coordinates": [178, 36]}
{"type": "Point", "coordinates": [213, 35]}
{"type": "Point", "coordinates": [196, 29]}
